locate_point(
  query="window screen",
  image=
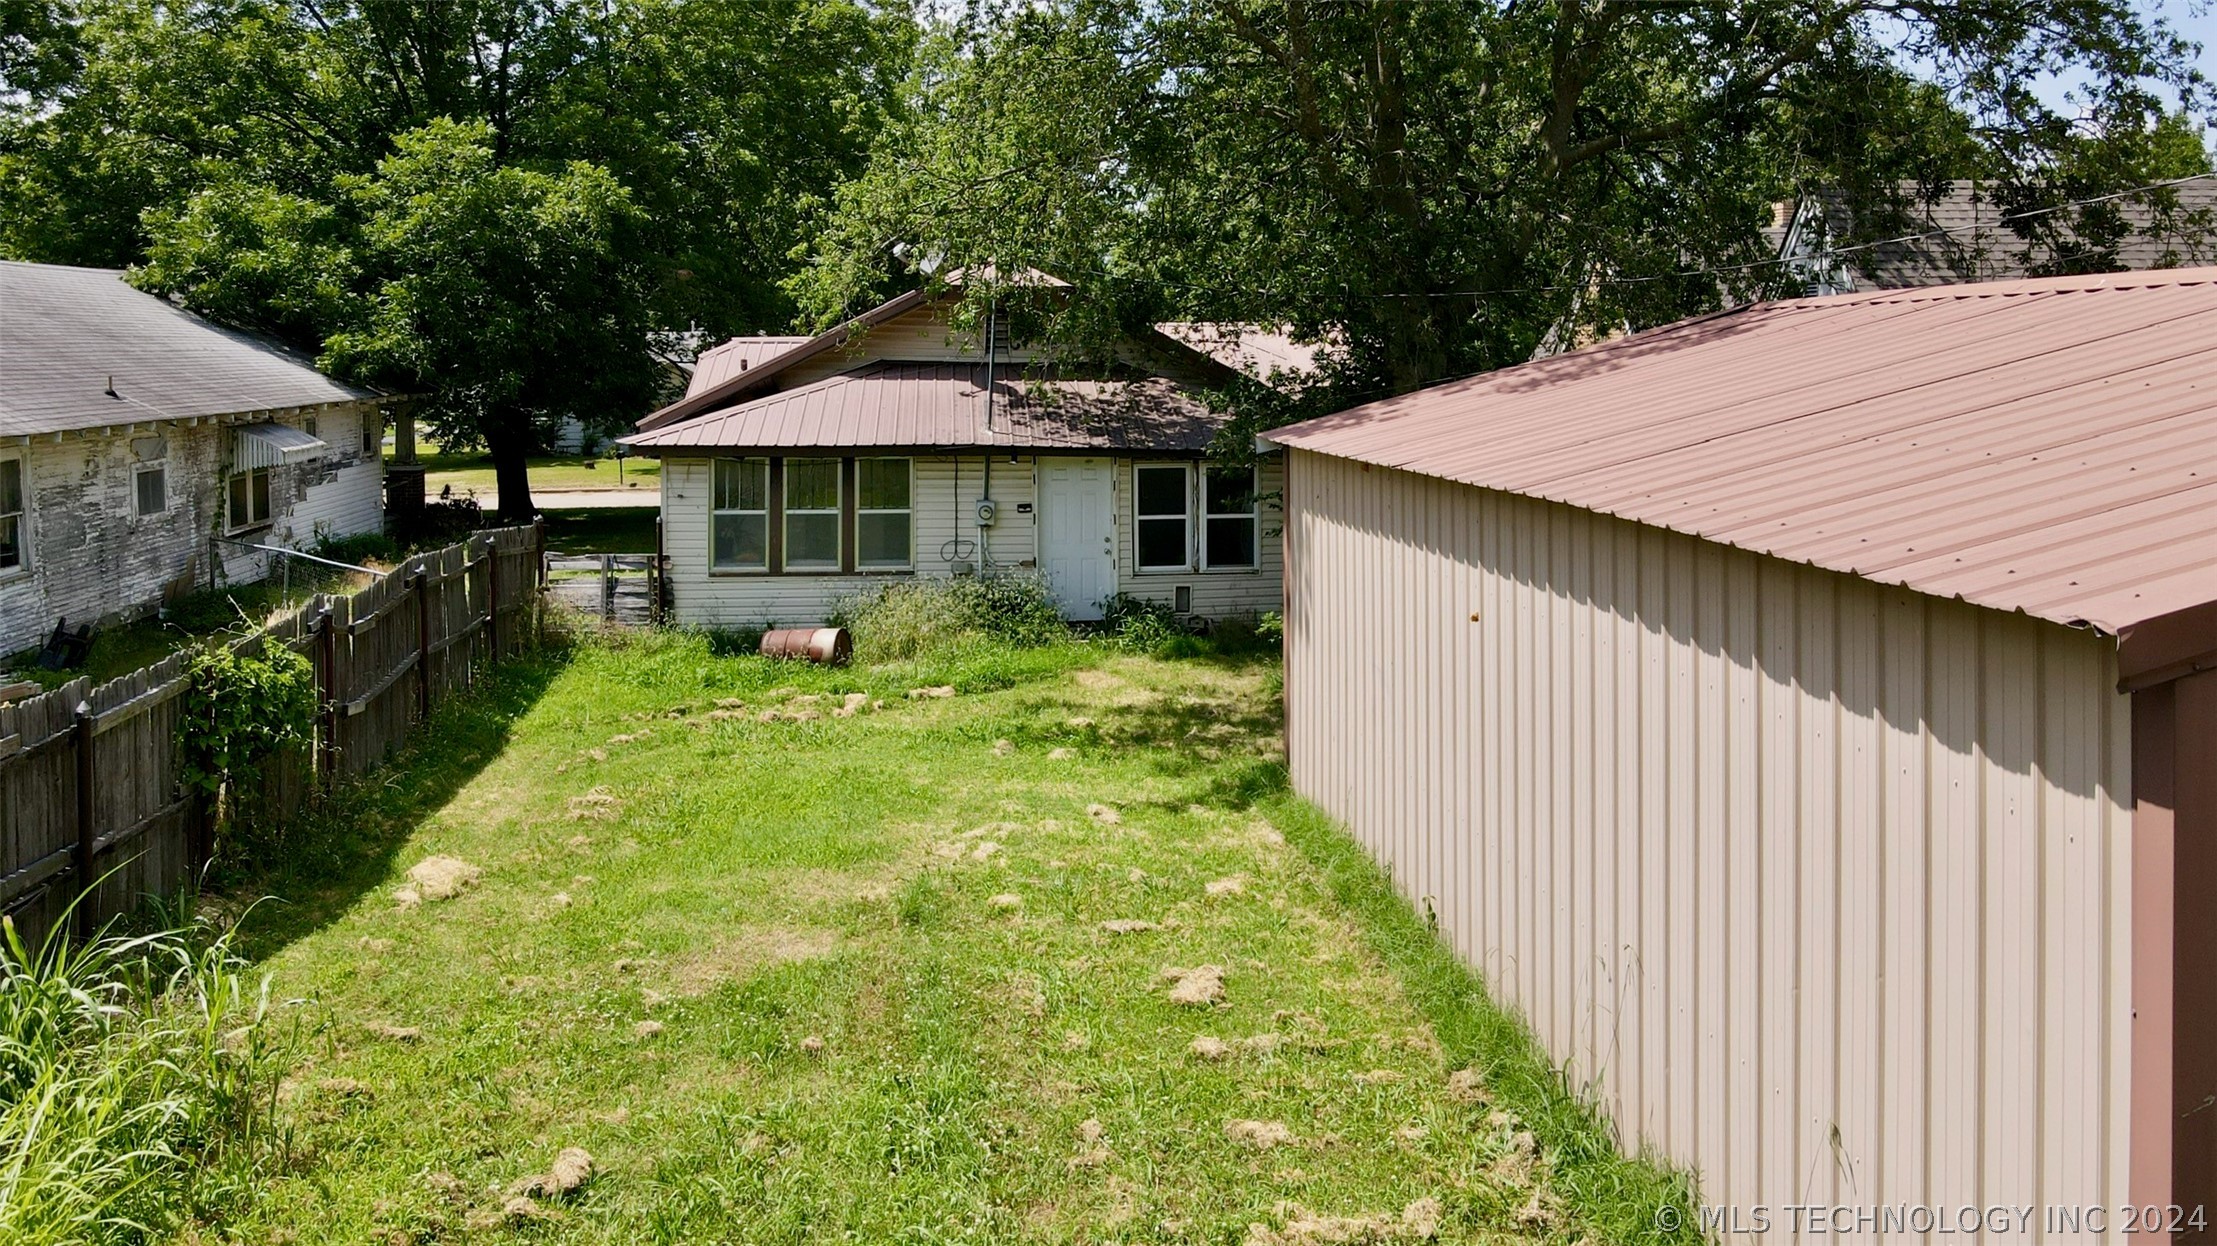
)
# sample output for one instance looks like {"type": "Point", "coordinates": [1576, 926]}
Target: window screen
{"type": "Point", "coordinates": [882, 513]}
{"type": "Point", "coordinates": [153, 482]}
{"type": "Point", "coordinates": [740, 515]}
{"type": "Point", "coordinates": [1228, 517]}
{"type": "Point", "coordinates": [1161, 518]}
{"type": "Point", "coordinates": [812, 514]}
{"type": "Point", "coordinates": [11, 513]}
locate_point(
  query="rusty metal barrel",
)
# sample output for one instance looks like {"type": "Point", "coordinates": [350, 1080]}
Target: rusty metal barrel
{"type": "Point", "coordinates": [829, 645]}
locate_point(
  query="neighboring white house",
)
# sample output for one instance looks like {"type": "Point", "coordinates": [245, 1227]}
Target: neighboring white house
{"type": "Point", "coordinates": [141, 449]}
{"type": "Point", "coordinates": [799, 471]}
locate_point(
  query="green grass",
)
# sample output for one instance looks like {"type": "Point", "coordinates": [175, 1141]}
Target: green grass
{"type": "Point", "coordinates": [862, 1036]}
{"type": "Point", "coordinates": [602, 530]}
{"type": "Point", "coordinates": [472, 473]}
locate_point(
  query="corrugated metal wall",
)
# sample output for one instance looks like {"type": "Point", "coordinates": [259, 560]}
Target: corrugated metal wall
{"type": "Point", "coordinates": [1822, 888]}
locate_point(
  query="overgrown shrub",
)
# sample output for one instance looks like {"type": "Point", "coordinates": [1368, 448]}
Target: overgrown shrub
{"type": "Point", "coordinates": [138, 1085]}
{"type": "Point", "coordinates": [1143, 625]}
{"type": "Point", "coordinates": [361, 549]}
{"type": "Point", "coordinates": [900, 621]}
{"type": "Point", "coordinates": [240, 709]}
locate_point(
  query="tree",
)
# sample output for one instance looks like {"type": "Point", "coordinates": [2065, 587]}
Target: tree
{"type": "Point", "coordinates": [249, 156]}
{"type": "Point", "coordinates": [509, 297]}
{"type": "Point", "coordinates": [1440, 187]}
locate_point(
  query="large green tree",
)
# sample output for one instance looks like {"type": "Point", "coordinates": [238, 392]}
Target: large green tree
{"type": "Point", "coordinates": [1441, 187]}
{"type": "Point", "coordinates": [290, 165]}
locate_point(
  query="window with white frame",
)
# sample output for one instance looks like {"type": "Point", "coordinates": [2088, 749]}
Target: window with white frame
{"type": "Point", "coordinates": [247, 501]}
{"type": "Point", "coordinates": [883, 519]}
{"type": "Point", "coordinates": [12, 532]}
{"type": "Point", "coordinates": [1162, 516]}
{"type": "Point", "coordinates": [739, 521]}
{"type": "Point", "coordinates": [812, 514]}
{"type": "Point", "coordinates": [1228, 518]}
{"type": "Point", "coordinates": [152, 480]}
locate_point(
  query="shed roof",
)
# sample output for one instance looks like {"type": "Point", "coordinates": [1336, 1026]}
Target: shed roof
{"type": "Point", "coordinates": [943, 405]}
{"type": "Point", "coordinates": [67, 333]}
{"type": "Point", "coordinates": [2043, 445]}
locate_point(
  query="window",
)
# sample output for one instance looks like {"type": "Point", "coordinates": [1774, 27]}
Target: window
{"type": "Point", "coordinates": [740, 515]}
{"type": "Point", "coordinates": [249, 498]}
{"type": "Point", "coordinates": [153, 483]}
{"type": "Point", "coordinates": [11, 514]}
{"type": "Point", "coordinates": [373, 433]}
{"type": "Point", "coordinates": [812, 514]}
{"type": "Point", "coordinates": [882, 513]}
{"type": "Point", "coordinates": [1228, 517]}
{"type": "Point", "coordinates": [1162, 517]}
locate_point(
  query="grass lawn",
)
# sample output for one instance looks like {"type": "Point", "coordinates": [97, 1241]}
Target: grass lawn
{"type": "Point", "coordinates": [602, 529]}
{"type": "Point", "coordinates": [852, 979]}
{"type": "Point", "coordinates": [472, 473]}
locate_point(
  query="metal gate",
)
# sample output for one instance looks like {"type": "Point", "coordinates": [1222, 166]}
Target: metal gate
{"type": "Point", "coordinates": [615, 588]}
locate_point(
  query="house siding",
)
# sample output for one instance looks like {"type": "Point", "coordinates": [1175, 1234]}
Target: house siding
{"type": "Point", "coordinates": [946, 492]}
{"type": "Point", "coordinates": [93, 558]}
{"type": "Point", "coordinates": [1821, 888]}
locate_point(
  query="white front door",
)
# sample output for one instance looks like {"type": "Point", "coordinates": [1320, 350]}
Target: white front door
{"type": "Point", "coordinates": [1077, 533]}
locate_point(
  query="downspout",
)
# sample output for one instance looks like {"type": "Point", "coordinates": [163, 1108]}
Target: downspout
{"type": "Point", "coordinates": [985, 489]}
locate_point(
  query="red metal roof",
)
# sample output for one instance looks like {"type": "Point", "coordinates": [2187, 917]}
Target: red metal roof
{"type": "Point", "coordinates": [941, 405]}
{"type": "Point", "coordinates": [2046, 445]}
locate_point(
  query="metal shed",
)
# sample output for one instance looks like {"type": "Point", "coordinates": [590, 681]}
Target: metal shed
{"type": "Point", "coordinates": [1806, 716]}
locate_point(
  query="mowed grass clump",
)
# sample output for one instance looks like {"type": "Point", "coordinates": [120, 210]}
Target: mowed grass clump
{"type": "Point", "coordinates": [138, 1083]}
{"type": "Point", "coordinates": [994, 944]}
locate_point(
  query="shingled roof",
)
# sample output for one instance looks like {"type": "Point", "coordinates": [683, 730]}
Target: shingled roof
{"type": "Point", "coordinates": [81, 349]}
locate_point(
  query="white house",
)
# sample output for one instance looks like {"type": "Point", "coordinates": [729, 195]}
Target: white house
{"type": "Point", "coordinates": [799, 471]}
{"type": "Point", "coordinates": [143, 450]}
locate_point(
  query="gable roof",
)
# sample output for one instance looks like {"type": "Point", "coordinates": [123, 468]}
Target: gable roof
{"type": "Point", "coordinates": [890, 404]}
{"type": "Point", "coordinates": [70, 335]}
{"type": "Point", "coordinates": [2048, 446]}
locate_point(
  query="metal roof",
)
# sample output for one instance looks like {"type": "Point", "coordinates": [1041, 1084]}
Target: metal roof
{"type": "Point", "coordinates": [741, 354]}
{"type": "Point", "coordinates": [2044, 445]}
{"type": "Point", "coordinates": [81, 349]}
{"type": "Point", "coordinates": [943, 405]}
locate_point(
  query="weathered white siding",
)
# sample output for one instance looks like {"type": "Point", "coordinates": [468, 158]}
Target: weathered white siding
{"type": "Point", "coordinates": [946, 492]}
{"type": "Point", "coordinates": [1820, 887]}
{"type": "Point", "coordinates": [93, 558]}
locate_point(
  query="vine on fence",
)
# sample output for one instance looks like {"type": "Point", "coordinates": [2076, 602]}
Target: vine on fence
{"type": "Point", "coordinates": [242, 708]}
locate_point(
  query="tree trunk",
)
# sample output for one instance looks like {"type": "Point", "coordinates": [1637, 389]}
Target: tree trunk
{"type": "Point", "coordinates": [509, 444]}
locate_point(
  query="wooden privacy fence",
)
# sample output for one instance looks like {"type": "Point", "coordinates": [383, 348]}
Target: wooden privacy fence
{"type": "Point", "coordinates": [91, 778]}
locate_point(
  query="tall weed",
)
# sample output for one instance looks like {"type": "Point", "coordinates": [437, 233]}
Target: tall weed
{"type": "Point", "coordinates": [138, 1080]}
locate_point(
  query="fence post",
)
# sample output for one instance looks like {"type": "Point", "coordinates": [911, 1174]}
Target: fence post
{"type": "Point", "coordinates": [423, 642]}
{"type": "Point", "coordinates": [328, 645]}
{"type": "Point", "coordinates": [492, 601]}
{"type": "Point", "coordinates": [539, 593]}
{"type": "Point", "coordinates": [87, 777]}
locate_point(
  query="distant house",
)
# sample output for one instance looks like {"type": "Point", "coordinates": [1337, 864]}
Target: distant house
{"type": "Point", "coordinates": [143, 449]}
{"type": "Point", "coordinates": [1964, 235]}
{"type": "Point", "coordinates": [1821, 756]}
{"type": "Point", "coordinates": [799, 470]}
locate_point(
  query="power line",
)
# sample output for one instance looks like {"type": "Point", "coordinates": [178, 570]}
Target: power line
{"type": "Point", "coordinates": [1719, 270]}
